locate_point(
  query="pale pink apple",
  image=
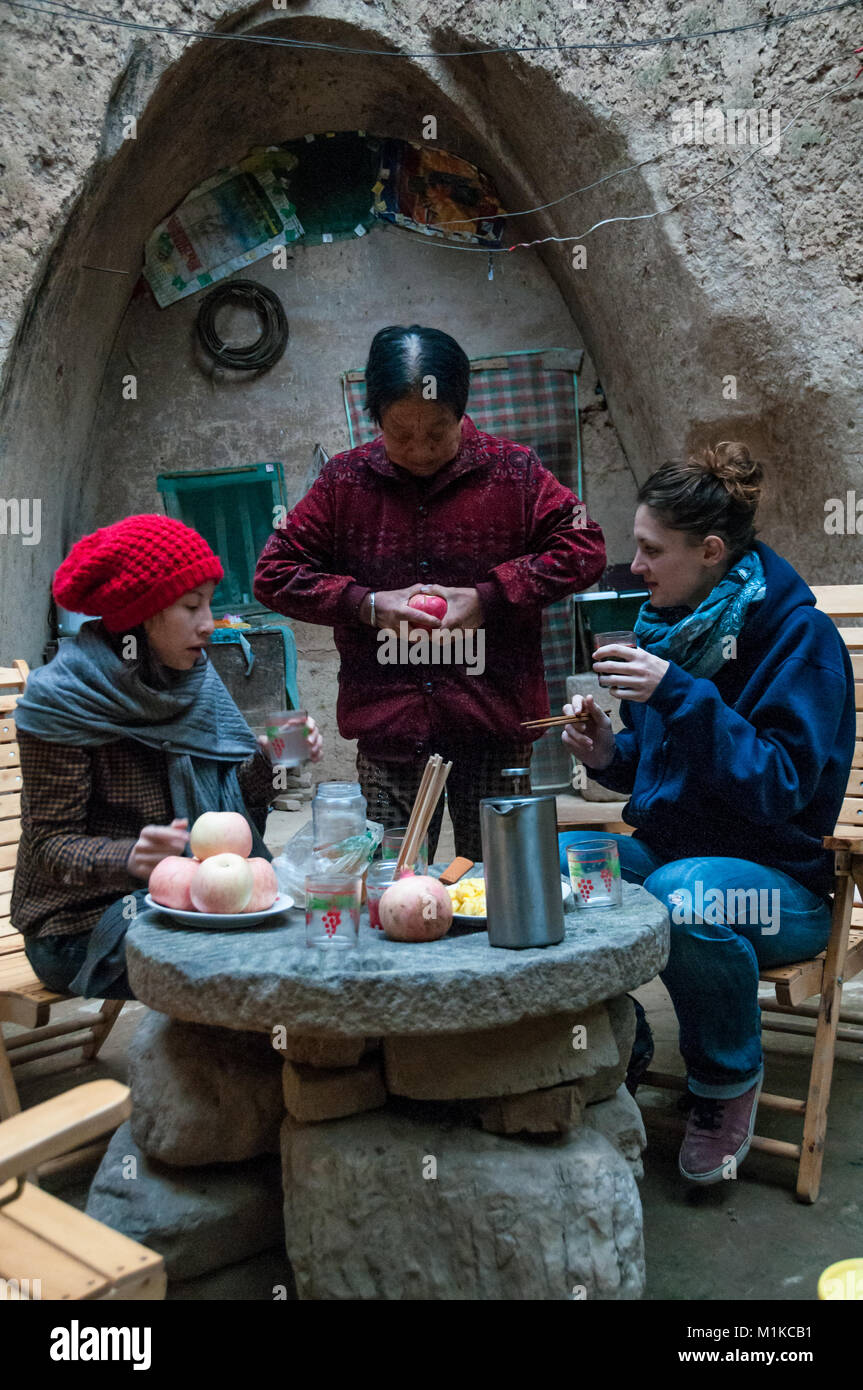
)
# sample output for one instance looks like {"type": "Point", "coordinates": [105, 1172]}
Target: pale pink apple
{"type": "Point", "coordinates": [416, 908]}
{"type": "Point", "coordinates": [429, 603]}
{"type": "Point", "coordinates": [223, 883]}
{"type": "Point", "coordinates": [171, 881]}
{"type": "Point", "coordinates": [221, 832]}
{"type": "Point", "coordinates": [266, 887]}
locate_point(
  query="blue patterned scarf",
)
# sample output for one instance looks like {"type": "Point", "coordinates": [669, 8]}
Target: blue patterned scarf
{"type": "Point", "coordinates": [696, 640]}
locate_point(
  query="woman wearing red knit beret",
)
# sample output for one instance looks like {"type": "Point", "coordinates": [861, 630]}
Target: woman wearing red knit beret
{"type": "Point", "coordinates": [126, 737]}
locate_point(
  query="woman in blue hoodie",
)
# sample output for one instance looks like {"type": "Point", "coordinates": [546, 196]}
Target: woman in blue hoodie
{"type": "Point", "coordinates": [738, 707]}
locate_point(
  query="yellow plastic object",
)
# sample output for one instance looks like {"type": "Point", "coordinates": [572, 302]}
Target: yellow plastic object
{"type": "Point", "coordinates": [842, 1280]}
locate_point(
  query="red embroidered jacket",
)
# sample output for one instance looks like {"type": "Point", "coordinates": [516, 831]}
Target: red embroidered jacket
{"type": "Point", "coordinates": [494, 519]}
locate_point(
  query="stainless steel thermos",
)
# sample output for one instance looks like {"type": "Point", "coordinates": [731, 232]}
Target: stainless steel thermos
{"type": "Point", "coordinates": [521, 864]}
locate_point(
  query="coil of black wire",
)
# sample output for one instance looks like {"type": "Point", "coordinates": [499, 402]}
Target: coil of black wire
{"type": "Point", "coordinates": [260, 355]}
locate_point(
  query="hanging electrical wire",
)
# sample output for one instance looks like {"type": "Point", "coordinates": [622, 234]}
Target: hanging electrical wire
{"type": "Point", "coordinates": [57, 10]}
{"type": "Point", "coordinates": [266, 350]}
{"type": "Point", "coordinates": [635, 217]}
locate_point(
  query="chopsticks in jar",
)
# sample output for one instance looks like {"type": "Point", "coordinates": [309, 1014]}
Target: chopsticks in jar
{"type": "Point", "coordinates": [427, 797]}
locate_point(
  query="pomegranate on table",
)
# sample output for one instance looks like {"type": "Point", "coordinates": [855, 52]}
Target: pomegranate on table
{"type": "Point", "coordinates": [416, 908]}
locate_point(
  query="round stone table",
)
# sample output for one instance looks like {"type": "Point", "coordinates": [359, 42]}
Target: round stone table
{"type": "Point", "coordinates": [454, 1123]}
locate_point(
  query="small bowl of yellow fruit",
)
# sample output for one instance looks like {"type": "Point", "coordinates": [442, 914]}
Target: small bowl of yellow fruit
{"type": "Point", "coordinates": [468, 899]}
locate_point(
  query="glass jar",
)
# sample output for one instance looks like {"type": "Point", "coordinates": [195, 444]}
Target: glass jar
{"type": "Point", "coordinates": [338, 812]}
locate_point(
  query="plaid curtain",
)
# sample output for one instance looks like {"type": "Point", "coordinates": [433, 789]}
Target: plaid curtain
{"type": "Point", "coordinates": [528, 398]}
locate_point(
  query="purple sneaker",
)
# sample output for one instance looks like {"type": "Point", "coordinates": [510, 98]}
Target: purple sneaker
{"type": "Point", "coordinates": [718, 1135]}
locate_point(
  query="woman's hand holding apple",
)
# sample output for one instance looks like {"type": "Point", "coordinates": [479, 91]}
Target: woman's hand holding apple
{"type": "Point", "coordinates": [464, 609]}
{"type": "Point", "coordinates": [592, 742]}
{"type": "Point", "coordinates": [392, 606]}
{"type": "Point", "coordinates": [155, 843]}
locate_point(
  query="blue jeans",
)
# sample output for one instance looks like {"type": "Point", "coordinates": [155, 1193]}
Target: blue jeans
{"type": "Point", "coordinates": [57, 960]}
{"type": "Point", "coordinates": [728, 918]}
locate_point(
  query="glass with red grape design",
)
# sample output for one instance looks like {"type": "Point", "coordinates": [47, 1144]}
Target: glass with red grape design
{"type": "Point", "coordinates": [594, 872]}
{"type": "Point", "coordinates": [333, 910]}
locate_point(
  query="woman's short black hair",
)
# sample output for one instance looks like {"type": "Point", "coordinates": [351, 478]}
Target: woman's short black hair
{"type": "Point", "coordinates": [416, 361]}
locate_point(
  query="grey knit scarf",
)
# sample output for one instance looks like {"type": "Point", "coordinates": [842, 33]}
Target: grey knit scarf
{"type": "Point", "coordinates": [89, 696]}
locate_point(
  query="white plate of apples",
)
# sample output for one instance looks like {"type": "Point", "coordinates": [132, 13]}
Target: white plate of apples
{"type": "Point", "coordinates": [221, 888]}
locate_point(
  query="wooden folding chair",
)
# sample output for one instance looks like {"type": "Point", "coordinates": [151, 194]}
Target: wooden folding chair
{"type": "Point", "coordinates": [23, 998]}
{"type": "Point", "coordinates": [48, 1249]}
{"type": "Point", "coordinates": [824, 976]}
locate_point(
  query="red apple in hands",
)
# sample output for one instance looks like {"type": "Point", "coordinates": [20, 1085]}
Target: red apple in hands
{"type": "Point", "coordinates": [266, 885]}
{"type": "Point", "coordinates": [221, 832]}
{"type": "Point", "coordinates": [429, 603]}
{"type": "Point", "coordinates": [223, 883]}
{"type": "Point", "coordinates": [171, 881]}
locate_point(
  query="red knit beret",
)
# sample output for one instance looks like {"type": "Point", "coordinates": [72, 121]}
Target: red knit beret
{"type": "Point", "coordinates": [133, 569]}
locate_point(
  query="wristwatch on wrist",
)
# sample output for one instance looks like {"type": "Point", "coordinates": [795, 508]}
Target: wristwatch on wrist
{"type": "Point", "coordinates": [374, 620]}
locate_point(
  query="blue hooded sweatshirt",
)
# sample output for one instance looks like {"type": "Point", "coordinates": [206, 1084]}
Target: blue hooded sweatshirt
{"type": "Point", "coordinates": [754, 762]}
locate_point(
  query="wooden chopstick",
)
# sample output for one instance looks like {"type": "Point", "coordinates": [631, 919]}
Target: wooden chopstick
{"type": "Point", "coordinates": [555, 721]}
{"type": "Point", "coordinates": [416, 810]}
{"type": "Point", "coordinates": [413, 839]}
{"type": "Point", "coordinates": [432, 784]}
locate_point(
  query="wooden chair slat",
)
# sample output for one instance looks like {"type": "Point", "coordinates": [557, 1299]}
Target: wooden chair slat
{"type": "Point", "coordinates": [850, 814]}
{"type": "Point", "coordinates": [8, 855]}
{"type": "Point", "coordinates": [62, 1276]}
{"type": "Point", "coordinates": [857, 665]}
{"type": "Point", "coordinates": [61, 1124]}
{"type": "Point", "coordinates": [7, 731]}
{"type": "Point", "coordinates": [857, 760]}
{"type": "Point", "coordinates": [7, 877]}
{"type": "Point", "coordinates": [8, 702]}
{"type": "Point", "coordinates": [5, 902]}
{"type": "Point", "coordinates": [840, 600]}
{"type": "Point", "coordinates": [855, 783]}
{"type": "Point", "coordinates": [852, 637]}
{"type": "Point", "coordinates": [11, 779]}
{"type": "Point", "coordinates": [9, 755]}
{"type": "Point", "coordinates": [10, 804]}
{"type": "Point", "coordinates": [10, 832]}
{"type": "Point", "coordinates": [19, 975]}
{"type": "Point", "coordinates": [105, 1253]}
{"type": "Point", "coordinates": [801, 981]}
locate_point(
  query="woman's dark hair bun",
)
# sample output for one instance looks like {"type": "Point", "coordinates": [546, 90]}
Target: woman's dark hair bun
{"type": "Point", "coordinates": [731, 462]}
{"type": "Point", "coordinates": [716, 491]}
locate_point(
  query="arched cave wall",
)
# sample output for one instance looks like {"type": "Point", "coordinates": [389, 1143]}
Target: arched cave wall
{"type": "Point", "coordinates": [758, 280]}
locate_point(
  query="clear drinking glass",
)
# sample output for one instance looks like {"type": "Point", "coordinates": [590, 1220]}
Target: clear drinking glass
{"type": "Point", "coordinates": [333, 909]}
{"type": "Point", "coordinates": [379, 876]}
{"type": "Point", "coordinates": [594, 872]}
{"type": "Point", "coordinates": [391, 848]}
{"type": "Point", "coordinates": [607, 639]}
{"type": "Point", "coordinates": [288, 732]}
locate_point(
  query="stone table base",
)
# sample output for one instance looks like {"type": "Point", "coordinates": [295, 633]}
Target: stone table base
{"type": "Point", "coordinates": [451, 1117]}
{"type": "Point", "coordinates": [396, 1205]}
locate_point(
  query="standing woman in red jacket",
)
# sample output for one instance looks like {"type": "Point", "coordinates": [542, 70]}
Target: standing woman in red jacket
{"type": "Point", "coordinates": [432, 505]}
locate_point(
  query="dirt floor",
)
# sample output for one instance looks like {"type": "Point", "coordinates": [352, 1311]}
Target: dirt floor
{"type": "Point", "coordinates": [746, 1239]}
